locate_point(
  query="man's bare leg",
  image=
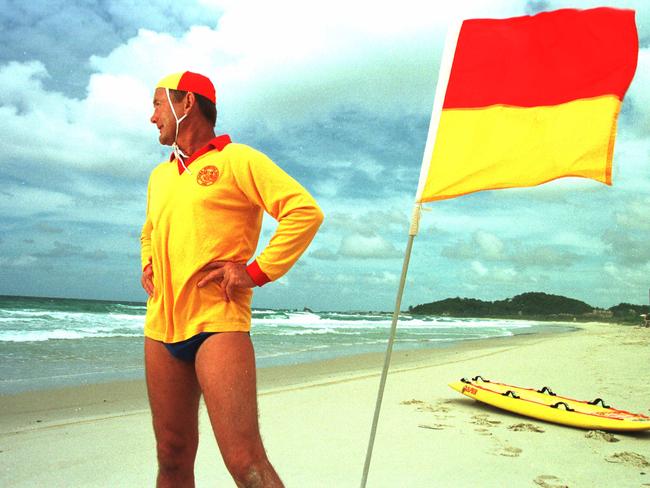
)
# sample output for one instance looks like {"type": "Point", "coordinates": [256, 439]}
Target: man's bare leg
{"type": "Point", "coordinates": [174, 395]}
{"type": "Point", "coordinates": [225, 368]}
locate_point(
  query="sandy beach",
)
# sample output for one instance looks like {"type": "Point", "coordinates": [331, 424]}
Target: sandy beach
{"type": "Point", "coordinates": [316, 418]}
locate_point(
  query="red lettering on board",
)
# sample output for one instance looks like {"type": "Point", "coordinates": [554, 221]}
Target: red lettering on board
{"type": "Point", "coordinates": [470, 390]}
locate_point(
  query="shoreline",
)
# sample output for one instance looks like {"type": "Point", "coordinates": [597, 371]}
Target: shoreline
{"type": "Point", "coordinates": [106, 350]}
{"type": "Point", "coordinates": [27, 409]}
{"type": "Point", "coordinates": [315, 420]}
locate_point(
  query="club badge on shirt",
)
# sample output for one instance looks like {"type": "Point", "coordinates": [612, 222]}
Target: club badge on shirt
{"type": "Point", "coordinates": [207, 176]}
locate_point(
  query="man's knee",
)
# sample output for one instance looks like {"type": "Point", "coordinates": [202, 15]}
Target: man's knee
{"type": "Point", "coordinates": [246, 465]}
{"type": "Point", "coordinates": [176, 454]}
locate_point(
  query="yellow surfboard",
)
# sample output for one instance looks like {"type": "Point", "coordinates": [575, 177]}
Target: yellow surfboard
{"type": "Point", "coordinates": [545, 405]}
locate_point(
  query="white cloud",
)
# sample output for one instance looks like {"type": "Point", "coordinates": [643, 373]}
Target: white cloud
{"type": "Point", "coordinates": [340, 278]}
{"type": "Point", "coordinates": [323, 253]}
{"type": "Point", "coordinates": [633, 215]}
{"type": "Point", "coordinates": [361, 246]}
{"type": "Point", "coordinates": [383, 278]}
{"type": "Point", "coordinates": [490, 245]}
{"type": "Point", "coordinates": [626, 281]}
{"type": "Point", "coordinates": [485, 246]}
{"type": "Point", "coordinates": [543, 256]}
{"type": "Point", "coordinates": [328, 188]}
{"type": "Point", "coordinates": [481, 274]}
{"type": "Point", "coordinates": [479, 268]}
{"type": "Point", "coordinates": [367, 222]}
{"type": "Point", "coordinates": [612, 270]}
{"type": "Point", "coordinates": [587, 242]}
{"type": "Point", "coordinates": [96, 134]}
{"type": "Point", "coordinates": [639, 95]}
{"type": "Point", "coordinates": [504, 275]}
{"type": "Point", "coordinates": [294, 60]}
{"type": "Point", "coordinates": [17, 201]}
{"type": "Point", "coordinates": [118, 104]}
{"type": "Point", "coordinates": [18, 262]}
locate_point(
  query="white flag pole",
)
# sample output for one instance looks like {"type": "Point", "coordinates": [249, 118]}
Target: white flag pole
{"type": "Point", "coordinates": [389, 349]}
{"type": "Point", "coordinates": [441, 89]}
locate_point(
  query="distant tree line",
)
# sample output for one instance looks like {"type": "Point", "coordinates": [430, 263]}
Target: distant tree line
{"type": "Point", "coordinates": [535, 305]}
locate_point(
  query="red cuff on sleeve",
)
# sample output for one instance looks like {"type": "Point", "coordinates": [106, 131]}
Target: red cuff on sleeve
{"type": "Point", "coordinates": [258, 276]}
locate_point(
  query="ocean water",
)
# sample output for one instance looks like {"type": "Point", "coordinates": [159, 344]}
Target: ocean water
{"type": "Point", "coordinates": [51, 342]}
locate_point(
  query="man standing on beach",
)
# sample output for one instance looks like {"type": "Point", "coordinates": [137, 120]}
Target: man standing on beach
{"type": "Point", "coordinates": [204, 214]}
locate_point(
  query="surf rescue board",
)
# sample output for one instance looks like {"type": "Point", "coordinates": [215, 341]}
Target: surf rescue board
{"type": "Point", "coordinates": [545, 405]}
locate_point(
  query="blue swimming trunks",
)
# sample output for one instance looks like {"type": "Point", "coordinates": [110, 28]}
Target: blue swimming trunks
{"type": "Point", "coordinates": [186, 350]}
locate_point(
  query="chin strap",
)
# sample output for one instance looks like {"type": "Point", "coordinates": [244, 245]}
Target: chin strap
{"type": "Point", "coordinates": [180, 155]}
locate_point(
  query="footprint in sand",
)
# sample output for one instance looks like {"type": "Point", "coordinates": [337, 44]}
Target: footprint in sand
{"type": "Point", "coordinates": [601, 436]}
{"type": "Point", "coordinates": [508, 451]}
{"type": "Point", "coordinates": [427, 407]}
{"type": "Point", "coordinates": [525, 428]}
{"type": "Point", "coordinates": [411, 402]}
{"type": "Point", "coordinates": [421, 406]}
{"type": "Point", "coordinates": [550, 481]}
{"type": "Point", "coordinates": [504, 449]}
{"type": "Point", "coordinates": [483, 431]}
{"type": "Point", "coordinates": [434, 426]}
{"type": "Point", "coordinates": [439, 408]}
{"type": "Point", "coordinates": [483, 419]}
{"type": "Point", "coordinates": [629, 458]}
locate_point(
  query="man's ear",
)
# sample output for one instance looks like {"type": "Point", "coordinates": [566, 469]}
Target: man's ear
{"type": "Point", "coordinates": [190, 101]}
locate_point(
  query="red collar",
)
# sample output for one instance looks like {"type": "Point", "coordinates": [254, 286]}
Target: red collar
{"type": "Point", "coordinates": [217, 143]}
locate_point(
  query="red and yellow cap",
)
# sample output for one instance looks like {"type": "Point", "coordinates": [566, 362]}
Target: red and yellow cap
{"type": "Point", "coordinates": [191, 82]}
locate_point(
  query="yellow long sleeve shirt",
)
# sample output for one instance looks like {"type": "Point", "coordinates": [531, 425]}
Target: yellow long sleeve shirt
{"type": "Point", "coordinates": [214, 212]}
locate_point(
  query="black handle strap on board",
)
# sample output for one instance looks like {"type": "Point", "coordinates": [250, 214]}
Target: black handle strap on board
{"type": "Point", "coordinates": [597, 401]}
{"type": "Point", "coordinates": [476, 378]}
{"type": "Point", "coordinates": [566, 406]}
{"type": "Point", "coordinates": [547, 390]}
{"type": "Point", "coordinates": [510, 394]}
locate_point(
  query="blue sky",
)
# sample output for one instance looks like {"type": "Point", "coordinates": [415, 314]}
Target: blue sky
{"type": "Point", "coordinates": [339, 94]}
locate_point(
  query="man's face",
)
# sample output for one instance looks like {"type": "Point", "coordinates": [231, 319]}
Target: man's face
{"type": "Point", "coordinates": [164, 118]}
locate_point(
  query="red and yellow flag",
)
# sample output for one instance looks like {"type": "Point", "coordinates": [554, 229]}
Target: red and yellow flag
{"type": "Point", "coordinates": [531, 99]}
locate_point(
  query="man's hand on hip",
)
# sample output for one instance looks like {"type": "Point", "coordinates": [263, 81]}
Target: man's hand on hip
{"type": "Point", "coordinates": [228, 275]}
{"type": "Point", "coordinates": [147, 279]}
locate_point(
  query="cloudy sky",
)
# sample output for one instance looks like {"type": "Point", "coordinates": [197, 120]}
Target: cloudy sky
{"type": "Point", "coordinates": [338, 94]}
